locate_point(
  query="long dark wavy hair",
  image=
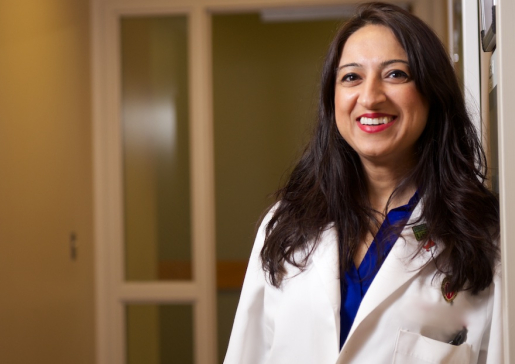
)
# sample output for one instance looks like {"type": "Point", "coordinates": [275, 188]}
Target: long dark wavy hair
{"type": "Point", "coordinates": [326, 186]}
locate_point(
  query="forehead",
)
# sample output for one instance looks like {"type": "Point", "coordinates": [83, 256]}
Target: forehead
{"type": "Point", "coordinates": [372, 43]}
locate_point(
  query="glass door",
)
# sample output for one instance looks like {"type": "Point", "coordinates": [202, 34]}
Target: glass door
{"type": "Point", "coordinates": [154, 205]}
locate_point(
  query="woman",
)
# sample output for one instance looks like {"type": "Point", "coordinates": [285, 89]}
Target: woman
{"type": "Point", "coordinates": [388, 200]}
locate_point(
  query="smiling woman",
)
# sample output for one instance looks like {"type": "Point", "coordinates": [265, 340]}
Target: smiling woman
{"type": "Point", "coordinates": [378, 109]}
{"type": "Point", "coordinates": [382, 246]}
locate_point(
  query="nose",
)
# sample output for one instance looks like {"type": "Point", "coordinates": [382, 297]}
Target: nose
{"type": "Point", "coordinates": [372, 93]}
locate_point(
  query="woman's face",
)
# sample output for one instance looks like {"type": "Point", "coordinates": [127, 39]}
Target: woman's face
{"type": "Point", "coordinates": [378, 108]}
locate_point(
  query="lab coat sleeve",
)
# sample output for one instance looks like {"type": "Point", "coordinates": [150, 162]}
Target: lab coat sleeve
{"type": "Point", "coordinates": [248, 343]}
{"type": "Point", "coordinates": [492, 346]}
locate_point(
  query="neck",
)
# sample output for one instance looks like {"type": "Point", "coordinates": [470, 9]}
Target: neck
{"type": "Point", "coordinates": [382, 181]}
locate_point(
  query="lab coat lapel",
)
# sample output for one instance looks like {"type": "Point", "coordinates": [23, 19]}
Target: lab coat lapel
{"type": "Point", "coordinates": [325, 260]}
{"type": "Point", "coordinates": [399, 267]}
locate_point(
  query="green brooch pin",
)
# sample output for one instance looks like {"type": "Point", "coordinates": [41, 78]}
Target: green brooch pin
{"type": "Point", "coordinates": [420, 232]}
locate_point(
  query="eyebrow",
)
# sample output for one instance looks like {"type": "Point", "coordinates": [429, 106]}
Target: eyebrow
{"type": "Point", "coordinates": [382, 65]}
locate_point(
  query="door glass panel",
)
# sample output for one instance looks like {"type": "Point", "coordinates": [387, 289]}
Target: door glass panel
{"type": "Point", "coordinates": [156, 148]}
{"type": "Point", "coordinates": [265, 77]}
{"type": "Point", "coordinates": [159, 334]}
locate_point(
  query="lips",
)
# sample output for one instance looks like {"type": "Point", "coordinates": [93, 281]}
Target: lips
{"type": "Point", "coordinates": [375, 122]}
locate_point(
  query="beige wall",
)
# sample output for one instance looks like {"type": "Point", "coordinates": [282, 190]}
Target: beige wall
{"type": "Point", "coordinates": [265, 100]}
{"type": "Point", "coordinates": [46, 304]}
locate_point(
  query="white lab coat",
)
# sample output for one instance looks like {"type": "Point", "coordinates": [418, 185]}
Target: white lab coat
{"type": "Point", "coordinates": [403, 318]}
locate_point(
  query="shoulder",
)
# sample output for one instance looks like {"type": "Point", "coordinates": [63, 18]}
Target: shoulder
{"type": "Point", "coordinates": [263, 226]}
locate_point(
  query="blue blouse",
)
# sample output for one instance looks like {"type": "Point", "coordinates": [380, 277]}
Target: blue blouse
{"type": "Point", "coordinates": [356, 282]}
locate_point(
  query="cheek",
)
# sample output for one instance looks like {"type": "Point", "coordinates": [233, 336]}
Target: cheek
{"type": "Point", "coordinates": [343, 104]}
{"type": "Point", "coordinates": [421, 113]}
{"type": "Point", "coordinates": [417, 107]}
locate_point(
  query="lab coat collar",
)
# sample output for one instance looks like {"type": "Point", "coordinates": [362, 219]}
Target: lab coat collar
{"type": "Point", "coordinates": [401, 265]}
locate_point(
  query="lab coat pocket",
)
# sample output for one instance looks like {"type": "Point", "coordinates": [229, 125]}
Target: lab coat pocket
{"type": "Point", "coordinates": [412, 348]}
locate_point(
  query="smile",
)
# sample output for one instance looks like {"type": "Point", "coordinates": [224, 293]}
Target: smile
{"type": "Point", "coordinates": [376, 121]}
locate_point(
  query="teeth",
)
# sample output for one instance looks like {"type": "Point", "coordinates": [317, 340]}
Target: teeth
{"type": "Point", "coordinates": [375, 121]}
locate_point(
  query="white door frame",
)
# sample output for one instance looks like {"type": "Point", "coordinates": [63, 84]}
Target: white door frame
{"type": "Point", "coordinates": [505, 75]}
{"type": "Point", "coordinates": [505, 57]}
{"type": "Point", "coordinates": [112, 292]}
{"type": "Point", "coordinates": [471, 67]}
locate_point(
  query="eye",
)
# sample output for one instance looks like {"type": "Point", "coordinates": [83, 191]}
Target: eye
{"type": "Point", "coordinates": [350, 78]}
{"type": "Point", "coordinates": [398, 76]}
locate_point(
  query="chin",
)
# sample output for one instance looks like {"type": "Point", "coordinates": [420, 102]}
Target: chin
{"type": "Point", "coordinates": [372, 153]}
{"type": "Point", "coordinates": [378, 157]}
